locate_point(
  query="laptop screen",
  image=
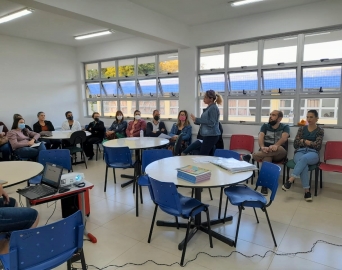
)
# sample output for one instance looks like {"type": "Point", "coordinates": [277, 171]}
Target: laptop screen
{"type": "Point", "coordinates": [52, 175]}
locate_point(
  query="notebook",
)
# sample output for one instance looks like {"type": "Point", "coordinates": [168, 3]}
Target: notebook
{"type": "Point", "coordinates": [49, 185]}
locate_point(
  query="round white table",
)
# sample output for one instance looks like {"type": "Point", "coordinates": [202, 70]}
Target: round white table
{"type": "Point", "coordinates": [165, 170]}
{"type": "Point", "coordinates": [62, 135]}
{"type": "Point", "coordinates": [16, 172]}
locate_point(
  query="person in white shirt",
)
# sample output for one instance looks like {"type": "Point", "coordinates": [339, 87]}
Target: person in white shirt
{"type": "Point", "coordinates": [70, 123]}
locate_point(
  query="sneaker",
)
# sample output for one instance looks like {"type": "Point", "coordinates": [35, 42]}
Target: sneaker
{"type": "Point", "coordinates": [246, 158]}
{"type": "Point", "coordinates": [307, 196]}
{"type": "Point", "coordinates": [286, 186]}
{"type": "Point", "coordinates": [264, 191]}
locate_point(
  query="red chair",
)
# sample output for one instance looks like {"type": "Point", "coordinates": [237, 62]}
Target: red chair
{"type": "Point", "coordinates": [242, 142]}
{"type": "Point", "coordinates": [333, 150]}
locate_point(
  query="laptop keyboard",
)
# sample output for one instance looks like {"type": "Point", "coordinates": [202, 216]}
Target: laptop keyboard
{"type": "Point", "coordinates": [39, 190]}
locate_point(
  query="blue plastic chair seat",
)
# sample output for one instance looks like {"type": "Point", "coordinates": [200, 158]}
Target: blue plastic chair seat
{"type": "Point", "coordinates": [119, 165]}
{"type": "Point", "coordinates": [245, 196]}
{"type": "Point", "coordinates": [143, 181]}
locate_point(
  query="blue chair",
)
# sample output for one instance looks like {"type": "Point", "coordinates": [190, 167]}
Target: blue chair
{"type": "Point", "coordinates": [242, 196]}
{"type": "Point", "coordinates": [118, 158]}
{"type": "Point", "coordinates": [165, 196]}
{"type": "Point", "coordinates": [149, 156]}
{"type": "Point", "coordinates": [60, 157]}
{"type": "Point", "coordinates": [46, 247]}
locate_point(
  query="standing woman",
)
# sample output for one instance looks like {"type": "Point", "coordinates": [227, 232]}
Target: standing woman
{"type": "Point", "coordinates": [209, 122]}
{"type": "Point", "coordinates": [307, 143]}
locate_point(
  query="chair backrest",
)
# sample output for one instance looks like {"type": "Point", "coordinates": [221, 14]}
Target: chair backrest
{"type": "Point", "coordinates": [242, 142]}
{"type": "Point", "coordinates": [224, 153]}
{"type": "Point", "coordinates": [78, 137]}
{"type": "Point", "coordinates": [117, 155]}
{"type": "Point", "coordinates": [45, 247]}
{"type": "Point", "coordinates": [333, 150]}
{"type": "Point", "coordinates": [149, 156]}
{"type": "Point", "coordinates": [268, 177]}
{"type": "Point", "coordinates": [177, 147]}
{"type": "Point", "coordinates": [59, 157]}
{"type": "Point", "coordinates": [166, 196]}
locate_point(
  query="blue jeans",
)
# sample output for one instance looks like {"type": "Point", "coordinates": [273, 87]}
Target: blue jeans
{"type": "Point", "coordinates": [5, 150]}
{"type": "Point", "coordinates": [304, 157]}
{"type": "Point", "coordinates": [30, 152]}
{"type": "Point", "coordinates": [196, 145]}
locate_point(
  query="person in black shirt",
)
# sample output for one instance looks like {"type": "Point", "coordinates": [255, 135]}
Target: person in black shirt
{"type": "Point", "coordinates": [156, 127]}
{"type": "Point", "coordinates": [42, 126]}
{"type": "Point", "coordinates": [97, 130]}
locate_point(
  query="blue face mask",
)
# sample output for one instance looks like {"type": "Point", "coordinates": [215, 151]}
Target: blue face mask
{"type": "Point", "coordinates": [21, 125]}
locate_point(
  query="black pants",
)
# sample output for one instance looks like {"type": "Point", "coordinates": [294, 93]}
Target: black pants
{"type": "Point", "coordinates": [51, 144]}
{"type": "Point", "coordinates": [208, 144]}
{"type": "Point", "coordinates": [88, 145]}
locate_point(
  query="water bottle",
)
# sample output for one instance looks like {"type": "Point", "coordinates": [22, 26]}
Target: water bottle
{"type": "Point", "coordinates": [141, 133]}
{"type": "Point", "coordinates": [291, 117]}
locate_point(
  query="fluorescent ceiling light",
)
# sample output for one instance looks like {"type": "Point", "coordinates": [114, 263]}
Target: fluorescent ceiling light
{"type": "Point", "coordinates": [290, 38]}
{"type": "Point", "coordinates": [317, 34]}
{"type": "Point", "coordinates": [244, 2]}
{"type": "Point", "coordinates": [97, 34]}
{"type": "Point", "coordinates": [173, 56]}
{"type": "Point", "coordinates": [15, 15]}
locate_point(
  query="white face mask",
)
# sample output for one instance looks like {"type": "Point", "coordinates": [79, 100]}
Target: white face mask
{"type": "Point", "coordinates": [137, 117]}
{"type": "Point", "coordinates": [119, 117]}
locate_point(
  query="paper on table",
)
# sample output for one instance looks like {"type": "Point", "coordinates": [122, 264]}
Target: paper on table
{"type": "Point", "coordinates": [132, 138]}
{"type": "Point", "coordinates": [164, 136]}
{"type": "Point", "coordinates": [1, 128]}
{"type": "Point", "coordinates": [35, 144]}
{"type": "Point", "coordinates": [202, 159]}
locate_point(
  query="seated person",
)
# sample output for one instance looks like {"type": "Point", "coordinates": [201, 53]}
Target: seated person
{"type": "Point", "coordinates": [13, 218]}
{"type": "Point", "coordinates": [70, 123]}
{"type": "Point", "coordinates": [182, 126]}
{"type": "Point", "coordinates": [118, 127]}
{"type": "Point", "coordinates": [4, 147]}
{"type": "Point", "coordinates": [156, 127]}
{"type": "Point", "coordinates": [195, 147]}
{"type": "Point", "coordinates": [44, 125]}
{"type": "Point", "coordinates": [21, 140]}
{"type": "Point", "coordinates": [134, 127]}
{"type": "Point", "coordinates": [17, 115]}
{"type": "Point", "coordinates": [97, 130]}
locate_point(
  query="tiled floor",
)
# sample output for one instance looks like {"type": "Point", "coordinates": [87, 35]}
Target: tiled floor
{"type": "Point", "coordinates": [122, 237]}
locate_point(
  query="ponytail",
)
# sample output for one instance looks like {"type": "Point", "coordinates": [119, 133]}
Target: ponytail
{"type": "Point", "coordinates": [218, 99]}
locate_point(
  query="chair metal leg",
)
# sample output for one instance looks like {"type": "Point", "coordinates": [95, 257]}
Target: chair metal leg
{"type": "Point", "coordinates": [136, 199]}
{"type": "Point", "coordinates": [269, 224]}
{"type": "Point", "coordinates": [185, 241]}
{"type": "Point", "coordinates": [225, 211]}
{"type": "Point", "coordinates": [256, 215]}
{"type": "Point", "coordinates": [105, 185]}
{"type": "Point", "coordinates": [97, 150]}
{"type": "Point", "coordinates": [141, 197]}
{"type": "Point", "coordinates": [69, 264]}
{"type": "Point", "coordinates": [219, 210]}
{"type": "Point", "coordinates": [83, 263]}
{"type": "Point", "coordinates": [192, 192]}
{"type": "Point", "coordinates": [177, 222]}
{"type": "Point", "coordinates": [284, 173]}
{"type": "Point", "coordinates": [114, 175]}
{"type": "Point", "coordinates": [84, 158]}
{"type": "Point", "coordinates": [211, 196]}
{"type": "Point", "coordinates": [152, 224]}
{"type": "Point", "coordinates": [316, 180]}
{"type": "Point", "coordinates": [287, 173]}
{"type": "Point", "coordinates": [321, 178]}
{"type": "Point", "coordinates": [209, 229]}
{"type": "Point", "coordinates": [238, 226]}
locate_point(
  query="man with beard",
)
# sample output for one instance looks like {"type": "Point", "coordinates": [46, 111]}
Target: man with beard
{"type": "Point", "coordinates": [272, 141]}
{"type": "Point", "coordinates": [156, 127]}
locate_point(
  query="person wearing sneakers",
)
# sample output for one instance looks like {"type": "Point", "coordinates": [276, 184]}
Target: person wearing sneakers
{"type": "Point", "coordinates": [308, 143]}
{"type": "Point", "coordinates": [273, 138]}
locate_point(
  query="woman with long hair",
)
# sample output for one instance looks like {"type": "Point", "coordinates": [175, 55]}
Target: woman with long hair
{"type": "Point", "coordinates": [118, 127]}
{"type": "Point", "coordinates": [135, 126]}
{"type": "Point", "coordinates": [181, 127]}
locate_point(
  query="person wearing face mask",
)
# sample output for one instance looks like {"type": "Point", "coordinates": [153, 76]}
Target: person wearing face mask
{"type": "Point", "coordinates": [118, 127]}
{"type": "Point", "coordinates": [97, 130]}
{"type": "Point", "coordinates": [273, 138]}
{"type": "Point", "coordinates": [156, 127]}
{"type": "Point", "coordinates": [70, 123]}
{"type": "Point", "coordinates": [134, 127]}
{"type": "Point", "coordinates": [21, 140]}
{"type": "Point", "coordinates": [17, 115]}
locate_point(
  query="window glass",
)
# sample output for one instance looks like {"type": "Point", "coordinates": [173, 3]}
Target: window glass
{"type": "Point", "coordinates": [146, 107]}
{"type": "Point", "coordinates": [212, 82]}
{"type": "Point", "coordinates": [128, 107]}
{"type": "Point", "coordinates": [91, 71]}
{"type": "Point", "coordinates": [323, 45]}
{"type": "Point", "coordinates": [329, 78]}
{"type": "Point", "coordinates": [203, 106]}
{"type": "Point", "coordinates": [243, 81]}
{"type": "Point", "coordinates": [109, 89]}
{"type": "Point", "coordinates": [147, 87]}
{"type": "Point", "coordinates": [280, 50]}
{"type": "Point", "coordinates": [169, 87]}
{"type": "Point", "coordinates": [212, 58]}
{"type": "Point", "coordinates": [127, 88]}
{"type": "Point", "coordinates": [241, 110]}
{"type": "Point", "coordinates": [327, 109]}
{"type": "Point", "coordinates": [126, 67]}
{"type": "Point", "coordinates": [94, 106]}
{"type": "Point", "coordinates": [93, 90]}
{"type": "Point", "coordinates": [168, 63]}
{"type": "Point", "coordinates": [108, 69]}
{"type": "Point", "coordinates": [283, 105]}
{"type": "Point", "coordinates": [283, 79]}
{"type": "Point", "coordinates": [110, 108]}
{"type": "Point", "coordinates": [168, 108]}
{"type": "Point", "coordinates": [243, 55]}
{"type": "Point", "coordinates": [147, 65]}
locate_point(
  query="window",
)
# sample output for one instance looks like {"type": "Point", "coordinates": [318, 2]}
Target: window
{"type": "Point", "coordinates": [168, 63]}
{"type": "Point", "coordinates": [110, 108]}
{"type": "Point", "coordinates": [169, 108]}
{"type": "Point", "coordinates": [128, 107]}
{"type": "Point", "coordinates": [146, 107]}
{"type": "Point", "coordinates": [127, 88]}
{"type": "Point", "coordinates": [212, 58]}
{"type": "Point", "coordinates": [126, 68]}
{"type": "Point", "coordinates": [327, 109]}
{"type": "Point", "coordinates": [280, 51]}
{"type": "Point", "coordinates": [241, 110]}
{"type": "Point", "coordinates": [243, 81]}
{"type": "Point", "coordinates": [322, 78]}
{"type": "Point", "coordinates": [94, 106]}
{"type": "Point", "coordinates": [147, 88]}
{"type": "Point", "coordinates": [169, 87]}
{"type": "Point", "coordinates": [275, 80]}
{"type": "Point", "coordinates": [203, 106]}
{"type": "Point", "coordinates": [212, 82]}
{"type": "Point", "coordinates": [109, 89]}
{"type": "Point", "coordinates": [93, 90]}
{"type": "Point", "coordinates": [323, 46]}
{"type": "Point", "coordinates": [243, 55]}
{"type": "Point", "coordinates": [91, 71]}
{"type": "Point", "coordinates": [283, 105]}
{"type": "Point", "coordinates": [108, 69]}
{"type": "Point", "coordinates": [147, 65]}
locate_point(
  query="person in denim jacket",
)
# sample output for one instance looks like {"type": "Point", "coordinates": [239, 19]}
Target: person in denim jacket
{"type": "Point", "coordinates": [118, 127]}
{"type": "Point", "coordinates": [209, 122]}
{"type": "Point", "coordinates": [182, 126]}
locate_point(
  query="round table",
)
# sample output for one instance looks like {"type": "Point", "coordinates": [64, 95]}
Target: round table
{"type": "Point", "coordinates": [134, 143]}
{"type": "Point", "coordinates": [16, 172]}
{"type": "Point", "coordinates": [165, 170]}
{"type": "Point", "coordinates": [62, 135]}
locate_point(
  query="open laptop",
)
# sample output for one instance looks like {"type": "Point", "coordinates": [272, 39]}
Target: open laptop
{"type": "Point", "coordinates": [49, 185]}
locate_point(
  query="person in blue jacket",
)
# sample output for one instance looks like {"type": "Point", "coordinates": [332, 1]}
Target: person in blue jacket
{"type": "Point", "coordinates": [181, 127]}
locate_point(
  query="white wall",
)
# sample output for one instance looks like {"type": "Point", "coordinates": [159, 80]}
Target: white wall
{"type": "Point", "coordinates": [37, 76]}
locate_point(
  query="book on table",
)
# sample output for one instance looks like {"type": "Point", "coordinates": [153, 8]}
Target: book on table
{"type": "Point", "coordinates": [233, 165]}
{"type": "Point", "coordinates": [193, 174]}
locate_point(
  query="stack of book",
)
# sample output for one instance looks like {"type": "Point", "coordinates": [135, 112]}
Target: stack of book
{"type": "Point", "coordinates": [233, 165]}
{"type": "Point", "coordinates": [193, 174]}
